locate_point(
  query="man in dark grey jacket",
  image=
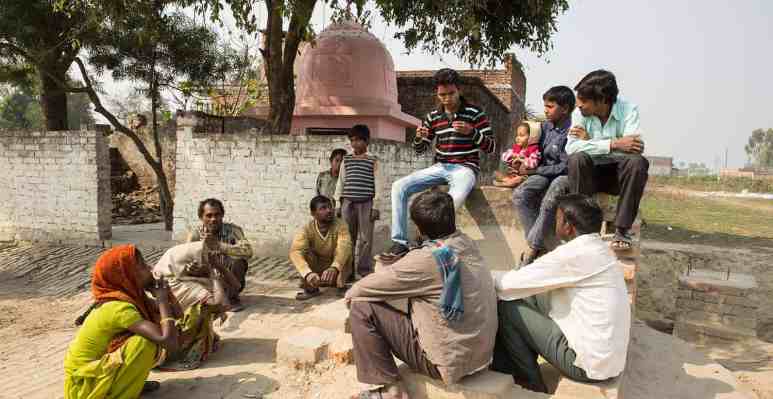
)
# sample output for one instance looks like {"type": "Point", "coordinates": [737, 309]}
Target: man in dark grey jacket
{"type": "Point", "coordinates": [535, 199]}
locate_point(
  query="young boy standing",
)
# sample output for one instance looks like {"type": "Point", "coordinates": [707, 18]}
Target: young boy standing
{"type": "Point", "coordinates": [327, 180]}
{"type": "Point", "coordinates": [359, 184]}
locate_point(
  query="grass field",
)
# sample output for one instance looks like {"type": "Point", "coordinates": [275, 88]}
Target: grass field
{"type": "Point", "coordinates": [713, 183]}
{"type": "Point", "coordinates": [675, 216]}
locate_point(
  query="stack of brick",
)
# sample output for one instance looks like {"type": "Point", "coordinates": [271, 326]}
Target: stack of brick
{"type": "Point", "coordinates": [721, 308]}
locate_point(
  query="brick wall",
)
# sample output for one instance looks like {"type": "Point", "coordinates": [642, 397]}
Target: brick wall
{"type": "Point", "coordinates": [55, 186]}
{"type": "Point", "coordinates": [267, 181]}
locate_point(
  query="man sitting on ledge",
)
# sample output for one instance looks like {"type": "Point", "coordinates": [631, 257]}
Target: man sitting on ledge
{"type": "Point", "coordinates": [322, 250]}
{"type": "Point", "coordinates": [570, 306]}
{"type": "Point", "coordinates": [451, 324]}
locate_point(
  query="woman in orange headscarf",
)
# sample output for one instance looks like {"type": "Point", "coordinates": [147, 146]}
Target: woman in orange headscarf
{"type": "Point", "coordinates": [118, 344]}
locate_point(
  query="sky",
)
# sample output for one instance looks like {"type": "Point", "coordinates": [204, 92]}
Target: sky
{"type": "Point", "coordinates": [701, 71]}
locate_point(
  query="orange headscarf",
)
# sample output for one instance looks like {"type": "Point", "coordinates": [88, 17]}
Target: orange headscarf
{"type": "Point", "coordinates": [115, 279]}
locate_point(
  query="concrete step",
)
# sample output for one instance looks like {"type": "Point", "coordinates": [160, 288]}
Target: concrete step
{"type": "Point", "coordinates": [484, 384]}
{"type": "Point", "coordinates": [564, 388]}
{"type": "Point", "coordinates": [699, 331]}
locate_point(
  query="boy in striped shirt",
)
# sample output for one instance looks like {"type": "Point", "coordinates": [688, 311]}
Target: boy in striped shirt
{"type": "Point", "coordinates": [459, 130]}
{"type": "Point", "coordinates": [359, 183]}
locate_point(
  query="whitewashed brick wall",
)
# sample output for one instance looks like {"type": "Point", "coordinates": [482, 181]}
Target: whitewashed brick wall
{"type": "Point", "coordinates": [55, 186]}
{"type": "Point", "coordinates": [266, 182]}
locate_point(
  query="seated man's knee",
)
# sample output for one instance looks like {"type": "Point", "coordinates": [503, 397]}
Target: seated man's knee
{"type": "Point", "coordinates": [639, 163]}
{"type": "Point", "coordinates": [579, 159]}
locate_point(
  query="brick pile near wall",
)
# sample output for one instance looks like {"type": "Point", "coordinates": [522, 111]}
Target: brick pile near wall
{"type": "Point", "coordinates": [55, 186]}
{"type": "Point", "coordinates": [267, 181]}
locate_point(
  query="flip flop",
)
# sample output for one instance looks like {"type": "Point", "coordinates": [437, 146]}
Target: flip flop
{"type": "Point", "coordinates": [622, 241]}
{"type": "Point", "coordinates": [305, 295]}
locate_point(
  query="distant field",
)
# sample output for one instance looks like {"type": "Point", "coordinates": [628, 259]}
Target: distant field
{"type": "Point", "coordinates": [713, 183]}
{"type": "Point", "coordinates": [677, 217]}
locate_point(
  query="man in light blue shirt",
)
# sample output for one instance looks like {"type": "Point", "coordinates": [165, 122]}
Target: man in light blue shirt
{"type": "Point", "coordinates": [605, 149]}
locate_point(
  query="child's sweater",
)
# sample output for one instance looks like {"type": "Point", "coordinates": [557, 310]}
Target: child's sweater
{"type": "Point", "coordinates": [530, 155]}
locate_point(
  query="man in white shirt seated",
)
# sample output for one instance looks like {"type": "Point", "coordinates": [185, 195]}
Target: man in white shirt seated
{"type": "Point", "coordinates": [570, 306]}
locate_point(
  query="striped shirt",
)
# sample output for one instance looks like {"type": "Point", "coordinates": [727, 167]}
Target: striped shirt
{"type": "Point", "coordinates": [452, 146]}
{"type": "Point", "coordinates": [358, 179]}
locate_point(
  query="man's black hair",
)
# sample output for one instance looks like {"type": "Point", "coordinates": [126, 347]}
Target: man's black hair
{"type": "Point", "coordinates": [598, 85]}
{"type": "Point", "coordinates": [446, 76]}
{"type": "Point", "coordinates": [582, 212]}
{"type": "Point", "coordinates": [319, 200]}
{"type": "Point", "coordinates": [337, 152]}
{"type": "Point", "coordinates": [360, 131]}
{"type": "Point", "coordinates": [213, 202]}
{"type": "Point", "coordinates": [433, 213]}
{"type": "Point", "coordinates": [561, 95]}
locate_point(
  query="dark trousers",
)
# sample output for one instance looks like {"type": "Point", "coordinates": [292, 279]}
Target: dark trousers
{"type": "Point", "coordinates": [378, 332]}
{"type": "Point", "coordinates": [526, 331]}
{"type": "Point", "coordinates": [535, 202]}
{"type": "Point", "coordinates": [625, 176]}
{"type": "Point", "coordinates": [239, 269]}
{"type": "Point", "coordinates": [358, 217]}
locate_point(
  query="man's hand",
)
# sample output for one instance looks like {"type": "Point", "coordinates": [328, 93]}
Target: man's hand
{"type": "Point", "coordinates": [329, 276]}
{"type": "Point", "coordinates": [579, 132]}
{"type": "Point", "coordinates": [422, 131]}
{"type": "Point", "coordinates": [631, 144]}
{"type": "Point", "coordinates": [462, 127]}
{"type": "Point", "coordinates": [374, 215]}
{"type": "Point", "coordinates": [312, 279]}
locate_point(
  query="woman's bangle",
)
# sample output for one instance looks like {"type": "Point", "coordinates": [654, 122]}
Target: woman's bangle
{"type": "Point", "coordinates": [163, 319]}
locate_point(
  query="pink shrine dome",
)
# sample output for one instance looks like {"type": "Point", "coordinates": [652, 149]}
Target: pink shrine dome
{"type": "Point", "coordinates": [347, 77]}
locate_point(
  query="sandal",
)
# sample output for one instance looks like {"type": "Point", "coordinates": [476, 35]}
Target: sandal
{"type": "Point", "coordinates": [307, 294]}
{"type": "Point", "coordinates": [376, 394]}
{"type": "Point", "coordinates": [621, 241]}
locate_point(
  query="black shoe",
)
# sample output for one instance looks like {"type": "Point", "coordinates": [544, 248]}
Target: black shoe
{"type": "Point", "coordinates": [150, 386]}
{"type": "Point", "coordinates": [308, 294]}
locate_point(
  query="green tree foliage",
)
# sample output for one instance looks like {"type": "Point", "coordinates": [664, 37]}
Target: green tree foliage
{"type": "Point", "coordinates": [480, 32]}
{"type": "Point", "coordinates": [20, 109]}
{"type": "Point", "coordinates": [160, 48]}
{"type": "Point", "coordinates": [38, 42]}
{"type": "Point", "coordinates": [760, 148]}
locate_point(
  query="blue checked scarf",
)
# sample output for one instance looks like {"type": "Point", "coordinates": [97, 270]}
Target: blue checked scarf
{"type": "Point", "coordinates": [451, 299]}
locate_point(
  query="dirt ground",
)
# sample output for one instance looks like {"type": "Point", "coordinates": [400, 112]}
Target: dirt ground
{"type": "Point", "coordinates": [35, 331]}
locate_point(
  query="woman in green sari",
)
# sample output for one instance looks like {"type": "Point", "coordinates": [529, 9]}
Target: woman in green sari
{"type": "Point", "coordinates": [122, 334]}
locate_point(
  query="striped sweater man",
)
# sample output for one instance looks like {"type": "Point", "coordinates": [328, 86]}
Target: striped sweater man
{"type": "Point", "coordinates": [450, 145]}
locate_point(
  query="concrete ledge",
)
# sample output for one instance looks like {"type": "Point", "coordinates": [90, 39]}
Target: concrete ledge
{"type": "Point", "coordinates": [482, 385]}
{"type": "Point", "coordinates": [564, 388]}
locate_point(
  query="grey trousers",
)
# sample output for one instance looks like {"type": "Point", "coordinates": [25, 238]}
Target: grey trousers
{"type": "Point", "coordinates": [624, 176]}
{"type": "Point", "coordinates": [526, 331]}
{"type": "Point", "coordinates": [535, 202]}
{"type": "Point", "coordinates": [357, 216]}
{"type": "Point", "coordinates": [378, 332]}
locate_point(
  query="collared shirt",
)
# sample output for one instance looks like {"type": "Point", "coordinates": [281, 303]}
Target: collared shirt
{"type": "Point", "coordinates": [552, 144]}
{"type": "Point", "coordinates": [588, 299]}
{"type": "Point", "coordinates": [452, 146]}
{"type": "Point", "coordinates": [326, 184]}
{"type": "Point", "coordinates": [623, 120]}
{"type": "Point", "coordinates": [456, 348]}
{"type": "Point", "coordinates": [232, 241]}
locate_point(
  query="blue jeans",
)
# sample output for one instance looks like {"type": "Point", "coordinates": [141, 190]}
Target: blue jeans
{"type": "Point", "coordinates": [535, 202]}
{"type": "Point", "coordinates": [460, 180]}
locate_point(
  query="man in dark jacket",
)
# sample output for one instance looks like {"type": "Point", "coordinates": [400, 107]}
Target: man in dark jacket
{"type": "Point", "coordinates": [535, 199]}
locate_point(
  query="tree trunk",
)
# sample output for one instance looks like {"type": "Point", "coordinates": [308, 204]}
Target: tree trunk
{"type": "Point", "coordinates": [53, 99]}
{"type": "Point", "coordinates": [279, 53]}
